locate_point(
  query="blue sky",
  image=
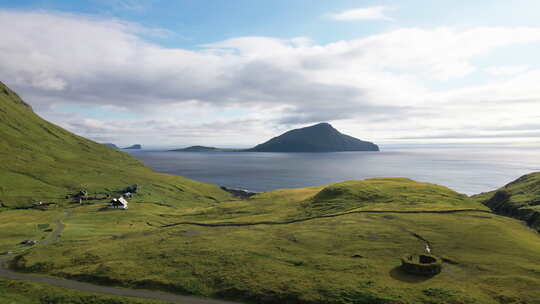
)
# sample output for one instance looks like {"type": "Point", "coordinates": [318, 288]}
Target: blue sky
{"type": "Point", "coordinates": [197, 22]}
{"type": "Point", "coordinates": [233, 73]}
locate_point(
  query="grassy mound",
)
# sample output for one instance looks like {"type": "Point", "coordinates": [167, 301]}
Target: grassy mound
{"type": "Point", "coordinates": [385, 194]}
{"type": "Point", "coordinates": [40, 161]}
{"type": "Point", "coordinates": [519, 199]}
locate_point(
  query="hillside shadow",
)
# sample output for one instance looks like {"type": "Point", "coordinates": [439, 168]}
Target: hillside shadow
{"type": "Point", "coordinates": [397, 274]}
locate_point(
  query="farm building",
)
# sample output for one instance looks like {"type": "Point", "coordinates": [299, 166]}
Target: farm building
{"type": "Point", "coordinates": [119, 203]}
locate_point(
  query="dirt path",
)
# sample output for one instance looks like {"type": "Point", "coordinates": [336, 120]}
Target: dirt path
{"type": "Point", "coordinates": [76, 285]}
{"type": "Point", "coordinates": [229, 224]}
{"type": "Point", "coordinates": [59, 229]}
{"type": "Point", "coordinates": [136, 293]}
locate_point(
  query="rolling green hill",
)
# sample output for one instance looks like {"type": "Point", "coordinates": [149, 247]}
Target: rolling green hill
{"type": "Point", "coordinates": [385, 194]}
{"type": "Point", "coordinates": [40, 161]}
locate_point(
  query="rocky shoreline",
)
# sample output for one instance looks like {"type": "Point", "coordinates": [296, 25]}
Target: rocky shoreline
{"type": "Point", "coordinates": [239, 193]}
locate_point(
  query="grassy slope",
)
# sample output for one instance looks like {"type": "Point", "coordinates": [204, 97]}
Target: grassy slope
{"type": "Point", "coordinates": [20, 225]}
{"type": "Point", "coordinates": [369, 194]}
{"type": "Point", "coordinates": [41, 161]}
{"type": "Point", "coordinates": [347, 259]}
{"type": "Point", "coordinates": [519, 199]}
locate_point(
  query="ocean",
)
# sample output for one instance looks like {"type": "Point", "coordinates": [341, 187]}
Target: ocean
{"type": "Point", "coordinates": [468, 171]}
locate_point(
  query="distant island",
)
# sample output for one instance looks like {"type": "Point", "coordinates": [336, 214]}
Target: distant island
{"type": "Point", "coordinates": [111, 145]}
{"type": "Point", "coordinates": [321, 137]}
{"type": "Point", "coordinates": [134, 147]}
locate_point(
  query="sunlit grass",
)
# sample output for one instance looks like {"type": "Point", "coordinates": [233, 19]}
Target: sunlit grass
{"type": "Point", "coordinates": [347, 259]}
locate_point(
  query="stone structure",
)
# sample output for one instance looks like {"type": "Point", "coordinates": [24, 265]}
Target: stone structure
{"type": "Point", "coordinates": [422, 265]}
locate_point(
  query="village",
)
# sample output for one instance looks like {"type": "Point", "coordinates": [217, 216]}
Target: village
{"type": "Point", "coordinates": [118, 200]}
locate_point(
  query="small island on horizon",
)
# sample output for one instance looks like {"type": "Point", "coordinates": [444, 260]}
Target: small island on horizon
{"type": "Point", "coordinates": [133, 147]}
{"type": "Point", "coordinates": [321, 137]}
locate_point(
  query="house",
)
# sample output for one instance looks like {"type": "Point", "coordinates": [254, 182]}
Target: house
{"type": "Point", "coordinates": [118, 203]}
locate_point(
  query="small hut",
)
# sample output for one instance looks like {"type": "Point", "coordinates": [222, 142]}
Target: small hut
{"type": "Point", "coordinates": [118, 203]}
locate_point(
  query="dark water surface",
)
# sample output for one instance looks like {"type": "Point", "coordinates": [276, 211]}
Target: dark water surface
{"type": "Point", "coordinates": [466, 171]}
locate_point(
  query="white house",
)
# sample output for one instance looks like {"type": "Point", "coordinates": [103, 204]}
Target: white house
{"type": "Point", "coordinates": [119, 203]}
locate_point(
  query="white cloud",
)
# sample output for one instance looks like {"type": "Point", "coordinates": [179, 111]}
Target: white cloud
{"type": "Point", "coordinates": [380, 86]}
{"type": "Point", "coordinates": [508, 70]}
{"type": "Point", "coordinates": [367, 13]}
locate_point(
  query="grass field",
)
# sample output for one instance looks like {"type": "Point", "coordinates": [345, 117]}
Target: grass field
{"type": "Point", "coordinates": [347, 259]}
{"type": "Point", "coordinates": [19, 225]}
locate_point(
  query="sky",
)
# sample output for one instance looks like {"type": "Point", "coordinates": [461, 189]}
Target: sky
{"type": "Point", "coordinates": [234, 73]}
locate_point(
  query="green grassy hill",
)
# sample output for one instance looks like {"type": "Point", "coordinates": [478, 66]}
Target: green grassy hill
{"type": "Point", "coordinates": [40, 161]}
{"type": "Point", "coordinates": [519, 199]}
{"type": "Point", "coordinates": [385, 194]}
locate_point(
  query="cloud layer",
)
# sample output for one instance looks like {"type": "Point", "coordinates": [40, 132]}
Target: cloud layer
{"type": "Point", "coordinates": [101, 78]}
{"type": "Point", "coordinates": [368, 13]}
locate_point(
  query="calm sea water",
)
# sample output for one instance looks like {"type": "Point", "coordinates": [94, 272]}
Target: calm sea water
{"type": "Point", "coordinates": [466, 171]}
